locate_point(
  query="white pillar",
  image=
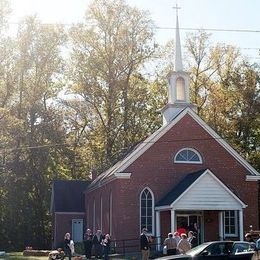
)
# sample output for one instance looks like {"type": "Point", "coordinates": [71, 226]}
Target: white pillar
{"type": "Point", "coordinates": [221, 226]}
{"type": "Point", "coordinates": [241, 225]}
{"type": "Point", "coordinates": [173, 226]}
{"type": "Point", "coordinates": [158, 230]}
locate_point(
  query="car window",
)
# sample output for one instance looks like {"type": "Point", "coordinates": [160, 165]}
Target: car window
{"type": "Point", "coordinates": [241, 247]}
{"type": "Point", "coordinates": [217, 249]}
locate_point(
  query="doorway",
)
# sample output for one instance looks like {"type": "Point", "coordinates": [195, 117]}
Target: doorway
{"type": "Point", "coordinates": [190, 221]}
{"type": "Point", "coordinates": [77, 230]}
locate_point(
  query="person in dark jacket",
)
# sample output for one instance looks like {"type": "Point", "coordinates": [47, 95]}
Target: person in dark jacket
{"type": "Point", "coordinates": [97, 239]}
{"type": "Point", "coordinates": [106, 246]}
{"type": "Point", "coordinates": [145, 244]}
{"type": "Point", "coordinates": [68, 244]}
{"type": "Point", "coordinates": [88, 236]}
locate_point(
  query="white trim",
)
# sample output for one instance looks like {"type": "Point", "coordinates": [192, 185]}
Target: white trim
{"type": "Point", "coordinates": [158, 230]}
{"type": "Point", "coordinates": [164, 129]}
{"type": "Point", "coordinates": [162, 208]}
{"type": "Point", "coordinates": [122, 175]}
{"type": "Point", "coordinates": [236, 224]}
{"type": "Point", "coordinates": [252, 178]}
{"type": "Point", "coordinates": [243, 205]}
{"type": "Point", "coordinates": [188, 162]}
{"type": "Point", "coordinates": [69, 213]}
{"type": "Point", "coordinates": [223, 143]}
{"type": "Point", "coordinates": [173, 226]}
{"type": "Point", "coordinates": [220, 226]}
{"type": "Point", "coordinates": [140, 213]}
{"type": "Point", "coordinates": [146, 144]}
{"type": "Point", "coordinates": [241, 225]}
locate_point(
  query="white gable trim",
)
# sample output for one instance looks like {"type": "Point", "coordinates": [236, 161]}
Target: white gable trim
{"type": "Point", "coordinates": [122, 175]}
{"type": "Point", "coordinates": [149, 142]}
{"type": "Point", "coordinates": [223, 143]}
{"type": "Point", "coordinates": [252, 178]}
{"type": "Point", "coordinates": [160, 132]}
{"type": "Point", "coordinates": [69, 213]}
{"type": "Point", "coordinates": [243, 205]}
{"type": "Point", "coordinates": [146, 144]}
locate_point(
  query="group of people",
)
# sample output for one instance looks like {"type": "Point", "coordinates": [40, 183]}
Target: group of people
{"type": "Point", "coordinates": [177, 243]}
{"type": "Point", "coordinates": [100, 242]}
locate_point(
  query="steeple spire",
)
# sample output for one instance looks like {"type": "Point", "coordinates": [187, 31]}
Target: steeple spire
{"type": "Point", "coordinates": [178, 88]}
{"type": "Point", "coordinates": [178, 57]}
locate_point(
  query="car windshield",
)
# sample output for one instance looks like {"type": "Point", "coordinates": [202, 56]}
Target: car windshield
{"type": "Point", "coordinates": [196, 250]}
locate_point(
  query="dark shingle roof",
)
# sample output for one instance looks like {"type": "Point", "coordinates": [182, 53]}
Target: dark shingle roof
{"type": "Point", "coordinates": [182, 186]}
{"type": "Point", "coordinates": [68, 196]}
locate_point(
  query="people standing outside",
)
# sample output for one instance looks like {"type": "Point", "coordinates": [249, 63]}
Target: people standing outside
{"type": "Point", "coordinates": [68, 246]}
{"type": "Point", "coordinates": [192, 239]}
{"type": "Point", "coordinates": [88, 236]}
{"type": "Point", "coordinates": [97, 239]}
{"type": "Point", "coordinates": [145, 244]}
{"type": "Point", "coordinates": [106, 244]}
{"type": "Point", "coordinates": [177, 237]}
{"type": "Point", "coordinates": [183, 246]}
{"type": "Point", "coordinates": [170, 244]}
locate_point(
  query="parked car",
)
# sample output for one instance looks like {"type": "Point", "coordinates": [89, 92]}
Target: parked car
{"type": "Point", "coordinates": [217, 250]}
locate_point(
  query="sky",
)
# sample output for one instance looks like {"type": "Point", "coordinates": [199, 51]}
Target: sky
{"type": "Point", "coordinates": [196, 14]}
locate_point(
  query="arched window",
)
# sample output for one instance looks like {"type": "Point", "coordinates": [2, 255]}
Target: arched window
{"type": "Point", "coordinates": [146, 210]}
{"type": "Point", "coordinates": [180, 89]}
{"type": "Point", "coordinates": [188, 155]}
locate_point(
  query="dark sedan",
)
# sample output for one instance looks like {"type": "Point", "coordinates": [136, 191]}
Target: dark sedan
{"type": "Point", "coordinates": [217, 250]}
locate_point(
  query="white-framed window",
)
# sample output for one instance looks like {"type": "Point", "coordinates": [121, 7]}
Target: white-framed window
{"type": "Point", "coordinates": [147, 210]}
{"type": "Point", "coordinates": [230, 223]}
{"type": "Point", "coordinates": [188, 155]}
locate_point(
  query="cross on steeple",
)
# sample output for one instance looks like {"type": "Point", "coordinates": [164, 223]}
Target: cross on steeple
{"type": "Point", "coordinates": [176, 7]}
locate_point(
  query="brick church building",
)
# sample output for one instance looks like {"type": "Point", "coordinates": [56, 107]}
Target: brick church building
{"type": "Point", "coordinates": [182, 174]}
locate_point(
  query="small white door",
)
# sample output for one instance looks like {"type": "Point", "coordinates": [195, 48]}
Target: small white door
{"type": "Point", "coordinates": [77, 230]}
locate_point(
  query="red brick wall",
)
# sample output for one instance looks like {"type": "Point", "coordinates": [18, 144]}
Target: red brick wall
{"type": "Point", "coordinates": [165, 219]}
{"type": "Point", "coordinates": [155, 169]}
{"type": "Point", "coordinates": [211, 229]}
{"type": "Point", "coordinates": [64, 225]}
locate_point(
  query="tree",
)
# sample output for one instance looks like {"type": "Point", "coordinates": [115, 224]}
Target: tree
{"type": "Point", "coordinates": [108, 53]}
{"type": "Point", "coordinates": [32, 130]}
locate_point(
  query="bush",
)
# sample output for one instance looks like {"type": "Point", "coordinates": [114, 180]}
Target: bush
{"type": "Point", "coordinates": [79, 248]}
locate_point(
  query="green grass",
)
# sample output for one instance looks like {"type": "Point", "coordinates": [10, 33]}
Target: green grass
{"type": "Point", "coordinates": [19, 256]}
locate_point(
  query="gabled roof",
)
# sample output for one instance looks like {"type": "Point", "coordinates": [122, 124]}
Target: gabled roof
{"type": "Point", "coordinates": [120, 166]}
{"type": "Point", "coordinates": [201, 190]}
{"type": "Point", "coordinates": [68, 196]}
{"type": "Point", "coordinates": [181, 187]}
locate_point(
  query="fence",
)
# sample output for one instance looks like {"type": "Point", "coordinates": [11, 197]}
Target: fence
{"type": "Point", "coordinates": [125, 246]}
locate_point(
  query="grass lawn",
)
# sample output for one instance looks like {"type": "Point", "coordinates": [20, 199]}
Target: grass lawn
{"type": "Point", "coordinates": [19, 256]}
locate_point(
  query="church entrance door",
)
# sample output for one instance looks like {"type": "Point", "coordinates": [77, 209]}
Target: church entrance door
{"type": "Point", "coordinates": [190, 221]}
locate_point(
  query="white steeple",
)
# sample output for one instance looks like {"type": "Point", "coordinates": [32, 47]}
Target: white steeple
{"type": "Point", "coordinates": [178, 58]}
{"type": "Point", "coordinates": [178, 88]}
